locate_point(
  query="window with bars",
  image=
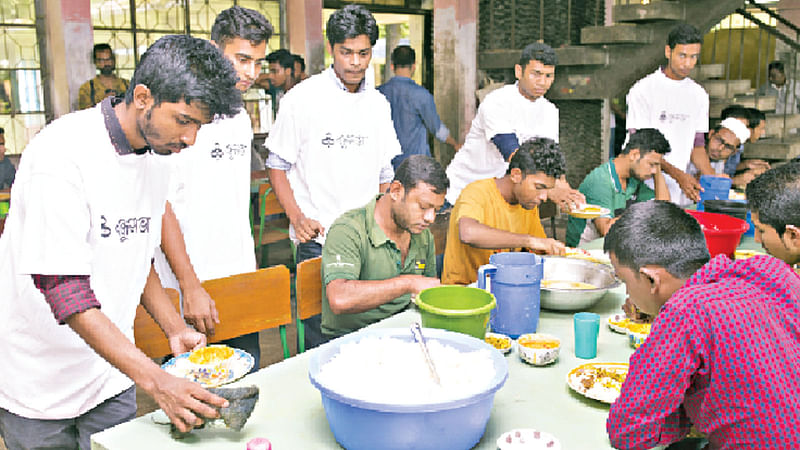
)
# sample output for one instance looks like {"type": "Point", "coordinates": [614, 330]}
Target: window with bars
{"type": "Point", "coordinates": [22, 111]}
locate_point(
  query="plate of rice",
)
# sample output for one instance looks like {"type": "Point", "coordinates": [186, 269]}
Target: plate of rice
{"type": "Point", "coordinates": [211, 366]}
{"type": "Point", "coordinates": [598, 381]}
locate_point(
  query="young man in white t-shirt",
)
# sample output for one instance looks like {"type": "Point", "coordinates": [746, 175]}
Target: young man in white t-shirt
{"type": "Point", "coordinates": [507, 117]}
{"type": "Point", "coordinates": [82, 231]}
{"type": "Point", "coordinates": [674, 104]}
{"type": "Point", "coordinates": [333, 141]}
{"type": "Point", "coordinates": [212, 195]}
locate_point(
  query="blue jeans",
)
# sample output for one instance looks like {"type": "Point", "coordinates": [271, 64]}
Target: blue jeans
{"type": "Point", "coordinates": [312, 325]}
{"type": "Point", "coordinates": [22, 433]}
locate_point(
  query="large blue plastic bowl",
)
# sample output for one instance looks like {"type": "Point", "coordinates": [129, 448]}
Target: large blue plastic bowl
{"type": "Point", "coordinates": [457, 424]}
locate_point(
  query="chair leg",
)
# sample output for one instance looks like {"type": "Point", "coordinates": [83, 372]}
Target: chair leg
{"type": "Point", "coordinates": [284, 342]}
{"type": "Point", "coordinates": [301, 337]}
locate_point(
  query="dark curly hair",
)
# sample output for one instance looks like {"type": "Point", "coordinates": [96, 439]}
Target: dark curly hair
{"type": "Point", "coordinates": [238, 22]}
{"type": "Point", "coordinates": [775, 196]}
{"type": "Point", "coordinates": [538, 52]}
{"type": "Point", "coordinates": [350, 22]}
{"type": "Point", "coordinates": [682, 34]}
{"type": "Point", "coordinates": [539, 155]}
{"type": "Point", "coordinates": [184, 68]}
{"type": "Point", "coordinates": [658, 233]}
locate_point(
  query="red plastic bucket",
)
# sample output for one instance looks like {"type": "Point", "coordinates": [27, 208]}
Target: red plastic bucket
{"type": "Point", "coordinates": [722, 232]}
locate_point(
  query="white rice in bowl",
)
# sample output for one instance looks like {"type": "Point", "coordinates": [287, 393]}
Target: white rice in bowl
{"type": "Point", "coordinates": [393, 371]}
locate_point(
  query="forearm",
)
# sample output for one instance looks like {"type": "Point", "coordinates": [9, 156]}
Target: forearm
{"type": "Point", "coordinates": [174, 247]}
{"type": "Point", "coordinates": [603, 224]}
{"type": "Point", "coordinates": [355, 296]}
{"type": "Point", "coordinates": [285, 194]}
{"type": "Point", "coordinates": [669, 169]}
{"type": "Point", "coordinates": [107, 340]}
{"type": "Point", "coordinates": [700, 160]}
{"type": "Point", "coordinates": [660, 185]}
{"type": "Point", "coordinates": [476, 234]}
{"type": "Point", "coordinates": [452, 142]}
{"type": "Point", "coordinates": [156, 301]}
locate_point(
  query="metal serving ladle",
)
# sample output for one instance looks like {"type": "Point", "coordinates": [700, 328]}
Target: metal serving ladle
{"type": "Point", "coordinates": [416, 331]}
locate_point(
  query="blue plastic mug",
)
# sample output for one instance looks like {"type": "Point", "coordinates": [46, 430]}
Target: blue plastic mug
{"type": "Point", "coordinates": [515, 282]}
{"type": "Point", "coordinates": [587, 327]}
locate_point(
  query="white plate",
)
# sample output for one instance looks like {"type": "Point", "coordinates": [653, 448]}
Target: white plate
{"type": "Point", "coordinates": [617, 318]}
{"type": "Point", "coordinates": [527, 439]}
{"type": "Point", "coordinates": [501, 336]}
{"type": "Point", "coordinates": [605, 395]}
{"type": "Point", "coordinates": [589, 212]}
{"type": "Point", "coordinates": [237, 366]}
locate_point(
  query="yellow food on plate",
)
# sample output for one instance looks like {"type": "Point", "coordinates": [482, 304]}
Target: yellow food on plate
{"type": "Point", "coordinates": [533, 342]}
{"type": "Point", "coordinates": [641, 328]}
{"type": "Point", "coordinates": [500, 343]}
{"type": "Point", "coordinates": [211, 354]}
{"type": "Point", "coordinates": [563, 284]}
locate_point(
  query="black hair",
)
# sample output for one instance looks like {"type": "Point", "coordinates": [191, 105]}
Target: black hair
{"type": "Point", "coordinates": [775, 196]}
{"type": "Point", "coordinates": [100, 48]}
{"type": "Point", "coordinates": [777, 65]}
{"type": "Point", "coordinates": [350, 22]}
{"type": "Point", "coordinates": [184, 68]}
{"type": "Point", "coordinates": [422, 169]}
{"type": "Point", "coordinates": [2, 130]}
{"type": "Point", "coordinates": [238, 22]}
{"type": "Point", "coordinates": [756, 115]}
{"type": "Point", "coordinates": [302, 61]}
{"type": "Point", "coordinates": [647, 140]}
{"type": "Point", "coordinates": [403, 56]}
{"type": "Point", "coordinates": [283, 58]}
{"type": "Point", "coordinates": [538, 52]}
{"type": "Point", "coordinates": [683, 34]}
{"type": "Point", "coordinates": [539, 155]}
{"type": "Point", "coordinates": [658, 233]}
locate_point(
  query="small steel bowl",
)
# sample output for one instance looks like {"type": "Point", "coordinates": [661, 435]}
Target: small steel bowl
{"type": "Point", "coordinates": [572, 269]}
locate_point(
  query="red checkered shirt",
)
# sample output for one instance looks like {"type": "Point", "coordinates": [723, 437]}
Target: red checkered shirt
{"type": "Point", "coordinates": [723, 355]}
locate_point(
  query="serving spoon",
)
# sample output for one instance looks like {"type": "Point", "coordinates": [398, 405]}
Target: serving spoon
{"type": "Point", "coordinates": [416, 331]}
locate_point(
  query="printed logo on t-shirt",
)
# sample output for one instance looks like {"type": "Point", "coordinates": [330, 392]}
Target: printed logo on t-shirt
{"type": "Point", "coordinates": [672, 117]}
{"type": "Point", "coordinates": [125, 227]}
{"type": "Point", "coordinates": [232, 150]}
{"type": "Point", "coordinates": [343, 141]}
{"type": "Point", "coordinates": [419, 264]}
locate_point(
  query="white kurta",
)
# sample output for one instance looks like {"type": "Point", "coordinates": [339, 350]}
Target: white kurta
{"type": "Point", "coordinates": [677, 108]}
{"type": "Point", "coordinates": [79, 208]}
{"type": "Point", "coordinates": [503, 111]}
{"type": "Point", "coordinates": [337, 143]}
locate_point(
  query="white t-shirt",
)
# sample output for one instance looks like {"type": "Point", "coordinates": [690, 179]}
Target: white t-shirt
{"type": "Point", "coordinates": [677, 108]}
{"type": "Point", "coordinates": [337, 143]}
{"type": "Point", "coordinates": [78, 208]}
{"type": "Point", "coordinates": [503, 111]}
{"type": "Point", "coordinates": [212, 201]}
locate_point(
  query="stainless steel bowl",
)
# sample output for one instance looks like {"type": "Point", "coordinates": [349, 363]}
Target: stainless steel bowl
{"type": "Point", "coordinates": [573, 269]}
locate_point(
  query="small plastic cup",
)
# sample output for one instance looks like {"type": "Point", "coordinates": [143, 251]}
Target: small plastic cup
{"type": "Point", "coordinates": [259, 444]}
{"type": "Point", "coordinates": [587, 326]}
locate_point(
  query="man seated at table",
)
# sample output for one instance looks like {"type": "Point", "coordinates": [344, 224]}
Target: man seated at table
{"type": "Point", "coordinates": [721, 143]}
{"type": "Point", "coordinates": [724, 350]}
{"type": "Point", "coordinates": [501, 214]}
{"type": "Point", "coordinates": [774, 200]}
{"type": "Point", "coordinates": [376, 256]}
{"type": "Point", "coordinates": [620, 182]}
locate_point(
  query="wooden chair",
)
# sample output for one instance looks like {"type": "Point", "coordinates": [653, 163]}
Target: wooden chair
{"type": "Point", "coordinates": [273, 230]}
{"type": "Point", "coordinates": [308, 291]}
{"type": "Point", "coordinates": [246, 303]}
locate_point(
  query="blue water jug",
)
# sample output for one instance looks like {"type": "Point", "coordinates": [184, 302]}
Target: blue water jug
{"type": "Point", "coordinates": [714, 188]}
{"type": "Point", "coordinates": [515, 282]}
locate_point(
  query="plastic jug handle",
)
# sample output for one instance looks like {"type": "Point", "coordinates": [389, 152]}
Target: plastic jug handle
{"type": "Point", "coordinates": [484, 271]}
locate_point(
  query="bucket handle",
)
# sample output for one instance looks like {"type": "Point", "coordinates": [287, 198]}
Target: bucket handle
{"type": "Point", "coordinates": [486, 271]}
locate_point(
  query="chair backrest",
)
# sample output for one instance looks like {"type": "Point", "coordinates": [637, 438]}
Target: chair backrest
{"type": "Point", "coordinates": [309, 288]}
{"type": "Point", "coordinates": [268, 201]}
{"type": "Point", "coordinates": [148, 335]}
{"type": "Point", "coordinates": [246, 303]}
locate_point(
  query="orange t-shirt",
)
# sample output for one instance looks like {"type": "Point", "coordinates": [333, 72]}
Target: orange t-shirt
{"type": "Point", "coordinates": [482, 201]}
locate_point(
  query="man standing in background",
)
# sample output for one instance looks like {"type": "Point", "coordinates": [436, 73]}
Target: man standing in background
{"type": "Point", "coordinates": [106, 83]}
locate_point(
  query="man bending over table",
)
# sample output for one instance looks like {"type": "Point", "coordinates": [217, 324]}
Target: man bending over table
{"type": "Point", "coordinates": [774, 199]}
{"type": "Point", "coordinates": [501, 214]}
{"type": "Point", "coordinates": [724, 350]}
{"type": "Point", "coordinates": [376, 256]}
{"type": "Point", "coordinates": [620, 182]}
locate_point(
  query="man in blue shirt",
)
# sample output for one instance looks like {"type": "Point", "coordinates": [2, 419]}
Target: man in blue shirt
{"type": "Point", "coordinates": [413, 109]}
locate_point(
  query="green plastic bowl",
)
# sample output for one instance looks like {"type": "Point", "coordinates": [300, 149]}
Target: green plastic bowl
{"type": "Point", "coordinates": [456, 308]}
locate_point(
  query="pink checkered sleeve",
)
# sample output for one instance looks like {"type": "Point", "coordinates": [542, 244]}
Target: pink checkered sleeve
{"type": "Point", "coordinates": [66, 294]}
{"type": "Point", "coordinates": [649, 411]}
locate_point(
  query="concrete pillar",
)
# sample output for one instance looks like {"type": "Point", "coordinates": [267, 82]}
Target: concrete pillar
{"type": "Point", "coordinates": [304, 32]}
{"type": "Point", "coordinates": [392, 41]}
{"type": "Point", "coordinates": [66, 30]}
{"type": "Point", "coordinates": [455, 38]}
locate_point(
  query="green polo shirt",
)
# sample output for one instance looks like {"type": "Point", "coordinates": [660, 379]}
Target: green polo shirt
{"type": "Point", "coordinates": [357, 249]}
{"type": "Point", "coordinates": [602, 187]}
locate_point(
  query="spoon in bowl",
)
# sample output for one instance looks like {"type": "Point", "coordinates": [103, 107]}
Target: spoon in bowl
{"type": "Point", "coordinates": [416, 331]}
